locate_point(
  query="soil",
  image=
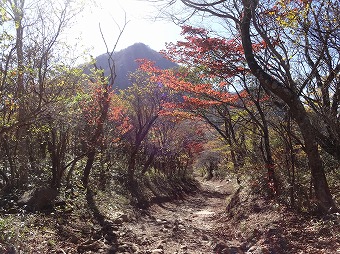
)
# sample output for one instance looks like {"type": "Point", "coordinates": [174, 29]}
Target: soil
{"type": "Point", "coordinates": [219, 217]}
{"type": "Point", "coordinates": [222, 217]}
{"type": "Point", "coordinates": [180, 226]}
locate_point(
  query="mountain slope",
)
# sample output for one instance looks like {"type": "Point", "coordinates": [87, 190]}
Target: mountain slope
{"type": "Point", "coordinates": [125, 62]}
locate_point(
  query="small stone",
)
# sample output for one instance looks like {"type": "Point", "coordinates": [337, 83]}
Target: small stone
{"type": "Point", "coordinates": [205, 238]}
{"type": "Point", "coordinates": [184, 247]}
{"type": "Point", "coordinates": [134, 248]}
{"type": "Point", "coordinates": [123, 247]}
{"type": "Point", "coordinates": [145, 241]}
{"type": "Point", "coordinates": [157, 251]}
{"type": "Point", "coordinates": [164, 230]}
{"type": "Point", "coordinates": [74, 239]}
{"type": "Point", "coordinates": [254, 250]}
{"type": "Point", "coordinates": [158, 221]}
{"type": "Point", "coordinates": [118, 221]}
{"type": "Point", "coordinates": [124, 217]}
{"type": "Point", "coordinates": [160, 246]}
{"type": "Point", "coordinates": [167, 225]}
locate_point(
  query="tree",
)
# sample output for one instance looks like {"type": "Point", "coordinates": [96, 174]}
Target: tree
{"type": "Point", "coordinates": [223, 59]}
{"type": "Point", "coordinates": [277, 68]}
{"type": "Point", "coordinates": [143, 103]}
{"type": "Point", "coordinates": [206, 86]}
{"type": "Point", "coordinates": [29, 70]}
{"type": "Point", "coordinates": [102, 100]}
{"type": "Point", "coordinates": [288, 91]}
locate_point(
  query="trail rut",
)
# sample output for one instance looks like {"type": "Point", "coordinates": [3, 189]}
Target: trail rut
{"type": "Point", "coordinates": [181, 226]}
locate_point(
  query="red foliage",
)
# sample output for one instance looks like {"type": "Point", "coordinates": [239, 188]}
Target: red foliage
{"type": "Point", "coordinates": [91, 112]}
{"type": "Point", "coordinates": [218, 55]}
{"type": "Point", "coordinates": [215, 62]}
{"type": "Point", "coordinates": [198, 95]}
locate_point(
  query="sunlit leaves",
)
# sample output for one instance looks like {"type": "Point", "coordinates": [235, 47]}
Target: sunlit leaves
{"type": "Point", "coordinates": [216, 54]}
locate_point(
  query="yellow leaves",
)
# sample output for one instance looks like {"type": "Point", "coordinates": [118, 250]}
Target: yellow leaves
{"type": "Point", "coordinates": [290, 20]}
{"type": "Point", "coordinates": [290, 13]}
{"type": "Point", "coordinates": [9, 102]}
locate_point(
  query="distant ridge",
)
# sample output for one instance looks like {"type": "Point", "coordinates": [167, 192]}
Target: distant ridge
{"type": "Point", "coordinates": [125, 61]}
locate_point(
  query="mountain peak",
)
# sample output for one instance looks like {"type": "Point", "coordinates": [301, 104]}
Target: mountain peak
{"type": "Point", "coordinates": [125, 62]}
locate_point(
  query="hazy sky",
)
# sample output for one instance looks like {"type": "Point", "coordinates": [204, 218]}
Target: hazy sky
{"type": "Point", "coordinates": [109, 13]}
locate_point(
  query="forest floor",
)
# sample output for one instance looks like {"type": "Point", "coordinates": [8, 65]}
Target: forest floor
{"type": "Point", "coordinates": [218, 217]}
{"type": "Point", "coordinates": [222, 217]}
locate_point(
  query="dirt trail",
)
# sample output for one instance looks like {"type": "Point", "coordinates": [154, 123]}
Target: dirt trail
{"type": "Point", "coordinates": [181, 226]}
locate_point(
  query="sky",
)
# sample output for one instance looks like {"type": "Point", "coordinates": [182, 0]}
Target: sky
{"type": "Point", "coordinates": [110, 14]}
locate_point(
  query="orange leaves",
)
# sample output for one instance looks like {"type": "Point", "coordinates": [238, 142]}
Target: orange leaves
{"type": "Point", "coordinates": [199, 103]}
{"type": "Point", "coordinates": [194, 96]}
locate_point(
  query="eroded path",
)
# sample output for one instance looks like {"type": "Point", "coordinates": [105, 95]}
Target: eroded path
{"type": "Point", "coordinates": [181, 226]}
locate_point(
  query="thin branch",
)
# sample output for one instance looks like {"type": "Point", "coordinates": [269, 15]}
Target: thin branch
{"type": "Point", "coordinates": [110, 60]}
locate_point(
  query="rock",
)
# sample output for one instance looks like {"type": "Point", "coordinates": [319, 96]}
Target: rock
{"type": "Point", "coordinates": [205, 238]}
{"type": "Point", "coordinates": [184, 247]}
{"type": "Point", "coordinates": [38, 199]}
{"type": "Point", "coordinates": [222, 248]}
{"type": "Point", "coordinates": [254, 250]}
{"type": "Point", "coordinates": [219, 247]}
{"type": "Point", "coordinates": [167, 225]}
{"type": "Point", "coordinates": [160, 245]}
{"type": "Point", "coordinates": [162, 222]}
{"type": "Point", "coordinates": [231, 250]}
{"type": "Point", "coordinates": [124, 217]}
{"type": "Point", "coordinates": [118, 221]}
{"type": "Point", "coordinates": [157, 251]}
{"type": "Point", "coordinates": [123, 247]}
{"type": "Point", "coordinates": [164, 230]}
{"type": "Point", "coordinates": [134, 248]}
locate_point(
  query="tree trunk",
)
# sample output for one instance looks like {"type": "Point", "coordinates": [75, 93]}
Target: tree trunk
{"type": "Point", "coordinates": [290, 162]}
{"type": "Point", "coordinates": [270, 165]}
{"type": "Point", "coordinates": [322, 192]}
{"type": "Point", "coordinates": [132, 166]}
{"type": "Point", "coordinates": [88, 167]}
{"type": "Point", "coordinates": [149, 161]}
{"type": "Point", "coordinates": [104, 103]}
{"type": "Point", "coordinates": [22, 161]}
